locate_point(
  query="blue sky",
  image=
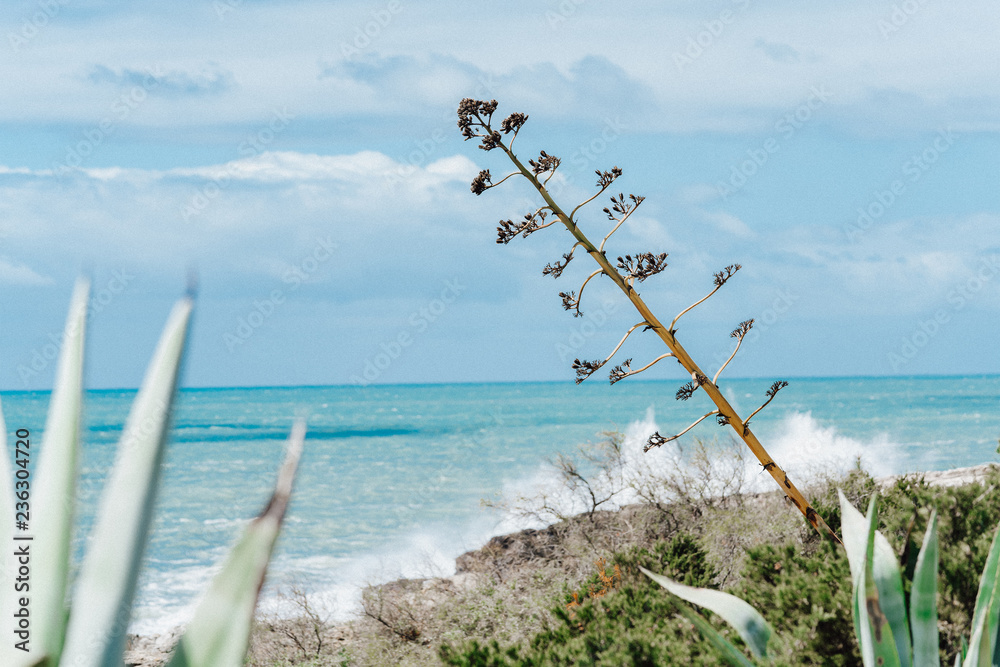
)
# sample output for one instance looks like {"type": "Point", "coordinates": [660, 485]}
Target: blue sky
{"type": "Point", "coordinates": [304, 157]}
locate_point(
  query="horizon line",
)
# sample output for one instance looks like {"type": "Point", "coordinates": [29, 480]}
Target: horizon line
{"type": "Point", "coordinates": [510, 382]}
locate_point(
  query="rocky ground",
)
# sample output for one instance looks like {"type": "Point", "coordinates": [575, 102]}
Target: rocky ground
{"type": "Point", "coordinates": [496, 556]}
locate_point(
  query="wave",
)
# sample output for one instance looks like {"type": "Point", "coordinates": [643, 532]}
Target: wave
{"type": "Point", "coordinates": [804, 448]}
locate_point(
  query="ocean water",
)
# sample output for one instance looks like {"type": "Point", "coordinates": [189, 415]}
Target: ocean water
{"type": "Point", "coordinates": [392, 476]}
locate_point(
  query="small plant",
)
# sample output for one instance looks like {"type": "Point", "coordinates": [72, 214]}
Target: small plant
{"type": "Point", "coordinates": [607, 582]}
{"type": "Point", "coordinates": [475, 119]}
{"type": "Point", "coordinates": [890, 632]}
{"type": "Point", "coordinates": [92, 631]}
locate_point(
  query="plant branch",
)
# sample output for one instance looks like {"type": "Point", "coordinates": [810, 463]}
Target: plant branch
{"type": "Point", "coordinates": [470, 109]}
{"type": "Point", "coordinates": [619, 373]}
{"type": "Point", "coordinates": [770, 393]}
{"type": "Point", "coordinates": [656, 439]}
{"type": "Point", "coordinates": [738, 333]}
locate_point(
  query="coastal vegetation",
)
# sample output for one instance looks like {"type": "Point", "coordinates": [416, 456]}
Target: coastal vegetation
{"type": "Point", "coordinates": [573, 593]}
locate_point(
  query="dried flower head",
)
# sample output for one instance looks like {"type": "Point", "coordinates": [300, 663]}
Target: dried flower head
{"type": "Point", "coordinates": [513, 122]}
{"type": "Point", "coordinates": [723, 420]}
{"type": "Point", "coordinates": [620, 208]}
{"type": "Point", "coordinates": [620, 371]}
{"type": "Point", "coordinates": [643, 265]}
{"type": "Point", "coordinates": [555, 270]}
{"type": "Point", "coordinates": [570, 302]}
{"type": "Point", "coordinates": [474, 117]}
{"type": "Point", "coordinates": [606, 178]}
{"type": "Point", "coordinates": [742, 329]}
{"type": "Point", "coordinates": [775, 388]}
{"type": "Point", "coordinates": [725, 274]}
{"type": "Point", "coordinates": [654, 440]}
{"type": "Point", "coordinates": [481, 182]}
{"type": "Point", "coordinates": [584, 369]}
{"type": "Point", "coordinates": [544, 163]}
{"type": "Point", "coordinates": [685, 392]}
{"type": "Point", "coordinates": [508, 229]}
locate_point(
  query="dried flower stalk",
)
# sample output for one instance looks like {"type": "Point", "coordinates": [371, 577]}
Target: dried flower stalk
{"type": "Point", "coordinates": [475, 121]}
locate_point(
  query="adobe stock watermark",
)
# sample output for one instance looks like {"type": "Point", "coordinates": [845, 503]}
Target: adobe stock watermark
{"type": "Point", "coordinates": [365, 35]}
{"type": "Point", "coordinates": [224, 7]}
{"type": "Point", "coordinates": [262, 310]}
{"type": "Point", "coordinates": [784, 128]}
{"type": "Point", "coordinates": [782, 302]}
{"type": "Point", "coordinates": [587, 154]}
{"type": "Point", "coordinates": [912, 171]}
{"type": "Point", "coordinates": [417, 323]}
{"type": "Point", "coordinates": [710, 33]}
{"type": "Point", "coordinates": [565, 10]}
{"type": "Point", "coordinates": [254, 144]}
{"type": "Point", "coordinates": [592, 322]}
{"type": "Point", "coordinates": [427, 148]}
{"type": "Point", "coordinates": [958, 298]}
{"type": "Point", "coordinates": [446, 474]}
{"type": "Point", "coordinates": [44, 355]}
{"type": "Point", "coordinates": [123, 107]}
{"type": "Point", "coordinates": [900, 15]}
{"type": "Point", "coordinates": [32, 26]}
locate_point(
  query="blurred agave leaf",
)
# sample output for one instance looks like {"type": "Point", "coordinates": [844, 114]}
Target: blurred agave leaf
{"type": "Point", "coordinates": [878, 647]}
{"type": "Point", "coordinates": [103, 598]}
{"type": "Point", "coordinates": [747, 621]}
{"type": "Point", "coordinates": [859, 536]}
{"type": "Point", "coordinates": [983, 644]}
{"type": "Point", "coordinates": [923, 601]}
{"type": "Point", "coordinates": [54, 494]}
{"type": "Point", "coordinates": [220, 631]}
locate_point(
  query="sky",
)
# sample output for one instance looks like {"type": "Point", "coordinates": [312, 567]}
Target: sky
{"type": "Point", "coordinates": [303, 159]}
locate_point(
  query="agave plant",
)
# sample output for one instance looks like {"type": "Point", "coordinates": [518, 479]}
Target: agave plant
{"type": "Point", "coordinates": [91, 631]}
{"type": "Point", "coordinates": [889, 632]}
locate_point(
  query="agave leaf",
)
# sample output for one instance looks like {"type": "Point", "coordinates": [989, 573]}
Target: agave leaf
{"type": "Point", "coordinates": [885, 576]}
{"type": "Point", "coordinates": [984, 619]}
{"type": "Point", "coordinates": [923, 601]}
{"type": "Point", "coordinates": [102, 603]}
{"type": "Point", "coordinates": [747, 621]}
{"type": "Point", "coordinates": [881, 640]}
{"type": "Point", "coordinates": [220, 631]}
{"type": "Point", "coordinates": [55, 491]}
{"type": "Point", "coordinates": [729, 653]}
{"type": "Point", "coordinates": [854, 530]}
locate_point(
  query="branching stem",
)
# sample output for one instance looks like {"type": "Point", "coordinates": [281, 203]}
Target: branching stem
{"type": "Point", "coordinates": [639, 370]}
{"type": "Point", "coordinates": [666, 334]}
{"type": "Point", "coordinates": [739, 341]}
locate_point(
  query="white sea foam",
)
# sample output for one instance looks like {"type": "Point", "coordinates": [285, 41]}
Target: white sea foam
{"type": "Point", "coordinates": [802, 446]}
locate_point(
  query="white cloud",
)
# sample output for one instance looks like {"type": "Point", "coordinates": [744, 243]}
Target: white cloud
{"type": "Point", "coordinates": [15, 273]}
{"type": "Point", "coordinates": [934, 67]}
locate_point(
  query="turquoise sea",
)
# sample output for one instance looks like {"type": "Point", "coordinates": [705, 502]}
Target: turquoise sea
{"type": "Point", "coordinates": [392, 476]}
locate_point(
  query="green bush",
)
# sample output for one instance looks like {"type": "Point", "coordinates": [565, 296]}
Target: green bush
{"type": "Point", "coordinates": [802, 586]}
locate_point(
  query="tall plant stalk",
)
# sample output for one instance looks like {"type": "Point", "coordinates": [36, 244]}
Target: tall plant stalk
{"type": "Point", "coordinates": [475, 121]}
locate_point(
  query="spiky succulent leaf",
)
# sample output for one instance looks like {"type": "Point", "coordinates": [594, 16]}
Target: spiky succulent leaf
{"type": "Point", "coordinates": [729, 653]}
{"type": "Point", "coordinates": [982, 645]}
{"type": "Point", "coordinates": [883, 651]}
{"type": "Point", "coordinates": [747, 621]}
{"type": "Point", "coordinates": [885, 576]}
{"type": "Point", "coordinates": [923, 601]}
{"type": "Point", "coordinates": [220, 631]}
{"type": "Point", "coordinates": [106, 586]}
{"type": "Point", "coordinates": [54, 495]}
